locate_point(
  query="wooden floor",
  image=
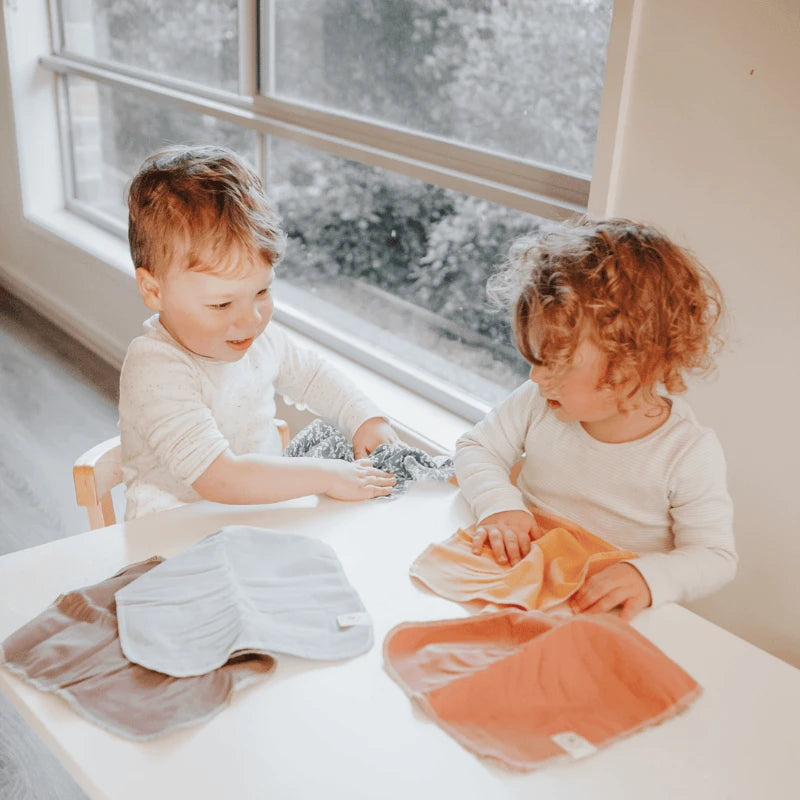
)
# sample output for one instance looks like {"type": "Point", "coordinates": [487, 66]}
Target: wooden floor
{"type": "Point", "coordinates": [56, 400]}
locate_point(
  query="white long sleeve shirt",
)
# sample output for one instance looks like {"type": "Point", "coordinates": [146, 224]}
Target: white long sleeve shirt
{"type": "Point", "coordinates": [179, 411]}
{"type": "Point", "coordinates": [663, 496]}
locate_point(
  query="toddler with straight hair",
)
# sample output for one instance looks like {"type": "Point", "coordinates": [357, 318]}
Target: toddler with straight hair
{"type": "Point", "coordinates": [611, 315]}
{"type": "Point", "coordinates": [197, 389]}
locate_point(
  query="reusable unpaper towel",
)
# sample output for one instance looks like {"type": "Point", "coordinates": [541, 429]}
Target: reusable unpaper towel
{"type": "Point", "coordinates": [72, 649]}
{"type": "Point", "coordinates": [242, 590]}
{"type": "Point", "coordinates": [525, 688]}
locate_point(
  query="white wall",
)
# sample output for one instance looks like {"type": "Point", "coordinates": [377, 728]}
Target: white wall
{"type": "Point", "coordinates": [99, 305]}
{"type": "Point", "coordinates": [710, 151]}
{"type": "Point", "coordinates": [703, 148]}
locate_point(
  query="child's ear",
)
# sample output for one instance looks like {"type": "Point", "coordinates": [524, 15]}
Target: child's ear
{"type": "Point", "coordinates": [149, 289]}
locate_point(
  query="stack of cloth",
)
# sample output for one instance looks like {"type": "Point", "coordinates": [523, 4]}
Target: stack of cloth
{"type": "Point", "coordinates": [165, 643]}
{"type": "Point", "coordinates": [520, 686]}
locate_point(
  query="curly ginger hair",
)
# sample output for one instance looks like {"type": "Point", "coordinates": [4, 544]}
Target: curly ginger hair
{"type": "Point", "coordinates": [647, 303]}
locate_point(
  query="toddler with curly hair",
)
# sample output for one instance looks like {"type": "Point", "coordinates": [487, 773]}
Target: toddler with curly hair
{"type": "Point", "coordinates": [611, 315]}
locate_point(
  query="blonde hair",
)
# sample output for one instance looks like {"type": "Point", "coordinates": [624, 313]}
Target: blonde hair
{"type": "Point", "coordinates": [647, 303]}
{"type": "Point", "coordinates": [196, 205]}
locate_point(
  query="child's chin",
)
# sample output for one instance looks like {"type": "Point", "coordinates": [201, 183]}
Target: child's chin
{"type": "Point", "coordinates": [562, 415]}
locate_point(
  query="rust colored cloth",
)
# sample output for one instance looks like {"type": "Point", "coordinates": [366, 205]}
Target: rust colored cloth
{"type": "Point", "coordinates": [558, 563]}
{"type": "Point", "coordinates": [72, 649]}
{"type": "Point", "coordinates": [527, 689]}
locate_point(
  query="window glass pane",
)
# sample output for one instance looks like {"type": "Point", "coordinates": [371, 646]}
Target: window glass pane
{"type": "Point", "coordinates": [112, 131]}
{"type": "Point", "coordinates": [181, 38]}
{"type": "Point", "coordinates": [399, 264]}
{"type": "Point", "coordinates": [522, 78]}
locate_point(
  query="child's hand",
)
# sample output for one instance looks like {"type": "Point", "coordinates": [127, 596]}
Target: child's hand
{"type": "Point", "coordinates": [357, 480]}
{"type": "Point", "coordinates": [618, 585]}
{"type": "Point", "coordinates": [375, 431]}
{"type": "Point", "coordinates": [509, 534]}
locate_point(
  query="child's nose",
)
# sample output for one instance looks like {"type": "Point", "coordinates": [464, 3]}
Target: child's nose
{"type": "Point", "coordinates": [251, 315]}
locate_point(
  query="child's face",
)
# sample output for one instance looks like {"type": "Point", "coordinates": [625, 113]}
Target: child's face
{"type": "Point", "coordinates": [213, 316]}
{"type": "Point", "coordinates": [573, 394]}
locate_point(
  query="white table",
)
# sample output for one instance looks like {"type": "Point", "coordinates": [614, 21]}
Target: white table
{"type": "Point", "coordinates": [346, 730]}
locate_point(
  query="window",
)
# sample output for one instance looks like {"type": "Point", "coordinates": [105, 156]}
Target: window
{"type": "Point", "coordinates": [405, 143]}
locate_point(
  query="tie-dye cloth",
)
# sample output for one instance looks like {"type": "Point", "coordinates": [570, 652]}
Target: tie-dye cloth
{"type": "Point", "coordinates": [320, 439]}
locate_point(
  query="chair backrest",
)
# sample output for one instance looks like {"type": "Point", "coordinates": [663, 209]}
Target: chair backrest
{"type": "Point", "coordinates": [99, 470]}
{"type": "Point", "coordinates": [96, 473]}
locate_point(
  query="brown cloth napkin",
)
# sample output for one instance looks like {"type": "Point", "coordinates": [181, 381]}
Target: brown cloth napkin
{"type": "Point", "coordinates": [72, 649]}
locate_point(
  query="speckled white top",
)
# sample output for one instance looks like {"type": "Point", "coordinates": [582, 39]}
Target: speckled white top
{"type": "Point", "coordinates": [179, 411]}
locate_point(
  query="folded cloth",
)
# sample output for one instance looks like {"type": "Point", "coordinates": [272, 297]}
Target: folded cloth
{"type": "Point", "coordinates": [320, 439]}
{"type": "Point", "coordinates": [527, 689]}
{"type": "Point", "coordinates": [241, 589]}
{"type": "Point", "coordinates": [558, 563]}
{"type": "Point", "coordinates": [72, 649]}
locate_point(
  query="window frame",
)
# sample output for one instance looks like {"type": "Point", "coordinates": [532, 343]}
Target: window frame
{"type": "Point", "coordinates": [548, 192]}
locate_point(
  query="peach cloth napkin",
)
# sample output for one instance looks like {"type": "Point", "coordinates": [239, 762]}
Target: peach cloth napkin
{"type": "Point", "coordinates": [73, 650]}
{"type": "Point", "coordinates": [527, 688]}
{"type": "Point", "coordinates": [559, 562]}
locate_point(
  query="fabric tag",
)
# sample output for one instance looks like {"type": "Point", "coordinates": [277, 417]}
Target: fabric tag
{"type": "Point", "coordinates": [575, 745]}
{"type": "Point", "coordinates": [353, 618]}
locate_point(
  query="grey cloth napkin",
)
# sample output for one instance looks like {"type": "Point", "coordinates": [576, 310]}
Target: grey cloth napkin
{"type": "Point", "coordinates": [242, 590]}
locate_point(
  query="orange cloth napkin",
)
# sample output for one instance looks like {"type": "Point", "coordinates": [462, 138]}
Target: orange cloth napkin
{"type": "Point", "coordinates": [559, 562]}
{"type": "Point", "coordinates": [527, 688]}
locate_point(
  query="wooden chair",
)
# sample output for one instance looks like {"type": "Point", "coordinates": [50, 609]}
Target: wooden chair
{"type": "Point", "coordinates": [99, 470]}
{"type": "Point", "coordinates": [96, 473]}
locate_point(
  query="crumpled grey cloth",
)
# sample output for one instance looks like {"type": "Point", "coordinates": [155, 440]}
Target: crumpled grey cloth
{"type": "Point", "coordinates": [320, 439]}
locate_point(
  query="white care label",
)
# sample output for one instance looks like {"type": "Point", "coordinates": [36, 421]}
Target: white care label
{"type": "Point", "coordinates": [353, 618]}
{"type": "Point", "coordinates": [575, 745]}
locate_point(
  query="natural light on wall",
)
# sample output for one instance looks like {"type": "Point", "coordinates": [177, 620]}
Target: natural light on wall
{"type": "Point", "coordinates": [404, 142]}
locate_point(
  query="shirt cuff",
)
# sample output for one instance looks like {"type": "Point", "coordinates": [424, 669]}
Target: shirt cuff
{"type": "Point", "coordinates": [506, 500]}
{"type": "Point", "coordinates": [654, 568]}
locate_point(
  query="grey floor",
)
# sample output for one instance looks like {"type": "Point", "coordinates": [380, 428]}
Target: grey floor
{"type": "Point", "coordinates": [56, 400]}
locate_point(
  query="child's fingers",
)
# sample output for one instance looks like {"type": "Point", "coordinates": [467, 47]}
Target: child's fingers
{"type": "Point", "coordinates": [618, 585]}
{"type": "Point", "coordinates": [497, 539]}
{"type": "Point", "coordinates": [479, 540]}
{"type": "Point", "coordinates": [379, 491]}
{"type": "Point", "coordinates": [507, 546]}
{"type": "Point", "coordinates": [366, 469]}
{"type": "Point", "coordinates": [631, 607]}
{"type": "Point", "coordinates": [536, 532]}
{"type": "Point", "coordinates": [367, 465]}
{"type": "Point", "coordinates": [617, 596]}
{"type": "Point", "coordinates": [587, 595]}
{"type": "Point", "coordinates": [381, 478]}
{"type": "Point", "coordinates": [512, 545]}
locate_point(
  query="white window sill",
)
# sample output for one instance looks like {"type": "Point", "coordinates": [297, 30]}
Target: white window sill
{"type": "Point", "coordinates": [420, 421]}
